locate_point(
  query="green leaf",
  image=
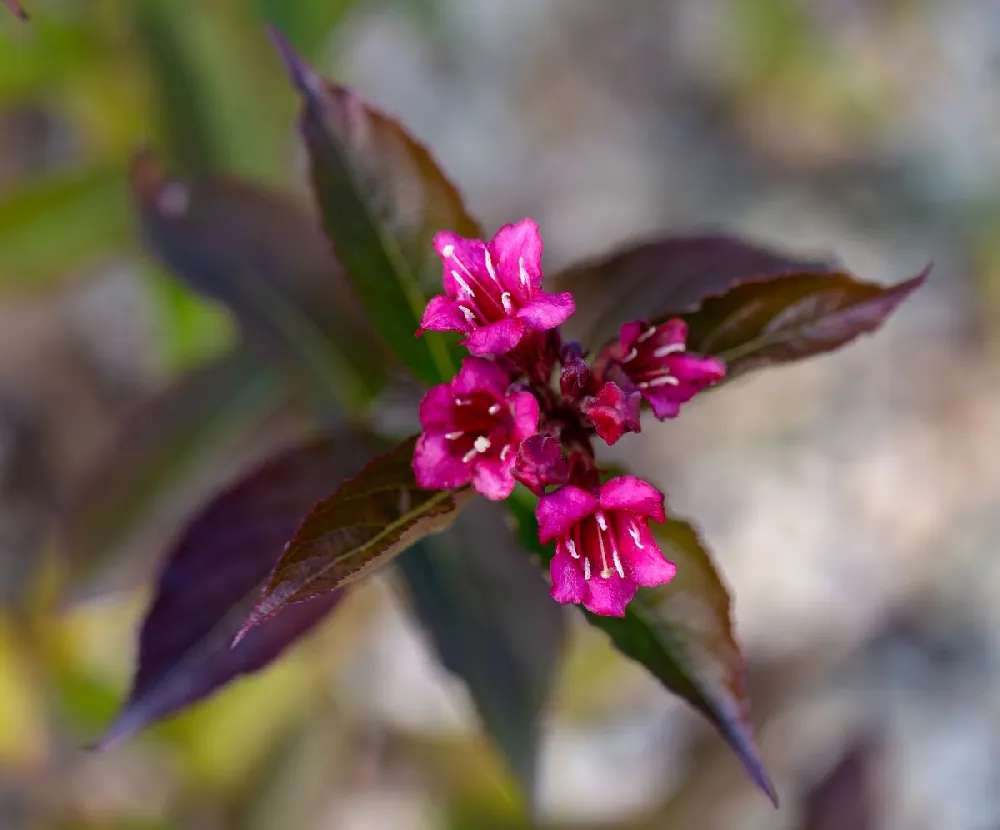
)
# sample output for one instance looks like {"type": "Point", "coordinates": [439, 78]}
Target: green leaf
{"type": "Point", "coordinates": [361, 526]}
{"type": "Point", "coordinates": [789, 318]}
{"type": "Point", "coordinates": [383, 198]}
{"type": "Point", "coordinates": [492, 622]}
{"type": "Point", "coordinates": [54, 224]}
{"type": "Point", "coordinates": [682, 633]}
{"type": "Point", "coordinates": [168, 456]}
{"type": "Point", "coordinates": [264, 256]}
{"type": "Point", "coordinates": [666, 277]}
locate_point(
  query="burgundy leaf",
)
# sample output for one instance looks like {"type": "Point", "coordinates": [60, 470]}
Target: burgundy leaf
{"type": "Point", "coordinates": [781, 319]}
{"type": "Point", "coordinates": [213, 577]}
{"type": "Point", "coordinates": [383, 198]}
{"type": "Point", "coordinates": [666, 277]}
{"type": "Point", "coordinates": [265, 257]}
{"type": "Point", "coordinates": [362, 525]}
{"type": "Point", "coordinates": [682, 633]}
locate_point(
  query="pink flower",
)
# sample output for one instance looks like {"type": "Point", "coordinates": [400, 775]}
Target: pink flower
{"type": "Point", "coordinates": [541, 463]}
{"type": "Point", "coordinates": [604, 548]}
{"type": "Point", "coordinates": [613, 411]}
{"type": "Point", "coordinates": [493, 290]}
{"type": "Point", "coordinates": [654, 359]}
{"type": "Point", "coordinates": [473, 427]}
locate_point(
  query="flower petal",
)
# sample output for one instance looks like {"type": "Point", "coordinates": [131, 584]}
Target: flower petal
{"type": "Point", "coordinates": [496, 338]}
{"type": "Point", "coordinates": [546, 311]}
{"type": "Point", "coordinates": [492, 478]}
{"type": "Point", "coordinates": [524, 408]}
{"type": "Point", "coordinates": [673, 331]}
{"type": "Point", "coordinates": [633, 495]}
{"type": "Point", "coordinates": [558, 511]}
{"type": "Point", "coordinates": [459, 256]}
{"type": "Point", "coordinates": [613, 412]}
{"type": "Point", "coordinates": [540, 463]}
{"type": "Point", "coordinates": [696, 371]}
{"type": "Point", "coordinates": [641, 556]}
{"type": "Point", "coordinates": [435, 468]}
{"type": "Point", "coordinates": [443, 314]}
{"type": "Point", "coordinates": [609, 597]}
{"type": "Point", "coordinates": [663, 403]}
{"type": "Point", "coordinates": [568, 584]}
{"type": "Point", "coordinates": [436, 408]}
{"type": "Point", "coordinates": [629, 333]}
{"type": "Point", "coordinates": [480, 375]}
{"type": "Point", "coordinates": [512, 245]}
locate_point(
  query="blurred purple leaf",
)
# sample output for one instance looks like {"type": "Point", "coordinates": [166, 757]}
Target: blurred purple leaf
{"type": "Point", "coordinates": [169, 455]}
{"type": "Point", "coordinates": [265, 257]}
{"type": "Point", "coordinates": [383, 197]}
{"type": "Point", "coordinates": [488, 613]}
{"type": "Point", "coordinates": [682, 633]}
{"type": "Point", "coordinates": [362, 525]}
{"type": "Point", "coordinates": [844, 797]}
{"type": "Point", "coordinates": [213, 576]}
{"type": "Point", "coordinates": [16, 8]}
{"type": "Point", "coordinates": [788, 318]}
{"type": "Point", "coordinates": [666, 277]}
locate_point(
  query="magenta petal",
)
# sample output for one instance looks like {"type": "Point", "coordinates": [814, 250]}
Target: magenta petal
{"type": "Point", "coordinates": [480, 375]}
{"type": "Point", "coordinates": [442, 314]}
{"type": "Point", "coordinates": [496, 338]}
{"type": "Point", "coordinates": [557, 512]}
{"type": "Point", "coordinates": [546, 311]}
{"type": "Point", "coordinates": [643, 560]}
{"type": "Point", "coordinates": [435, 468]}
{"type": "Point", "coordinates": [568, 584]}
{"type": "Point", "coordinates": [435, 408]}
{"type": "Point", "coordinates": [493, 479]}
{"type": "Point", "coordinates": [459, 255]}
{"type": "Point", "coordinates": [629, 333]}
{"type": "Point", "coordinates": [524, 408]}
{"type": "Point", "coordinates": [695, 369]}
{"type": "Point", "coordinates": [672, 331]}
{"type": "Point", "coordinates": [512, 245]}
{"type": "Point", "coordinates": [609, 597]}
{"type": "Point", "coordinates": [633, 495]}
{"type": "Point", "coordinates": [663, 403]}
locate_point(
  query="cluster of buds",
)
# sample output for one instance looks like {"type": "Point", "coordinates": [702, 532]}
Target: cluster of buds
{"type": "Point", "coordinates": [504, 419]}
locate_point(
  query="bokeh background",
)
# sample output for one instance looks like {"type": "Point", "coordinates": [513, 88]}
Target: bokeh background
{"type": "Point", "coordinates": [852, 501]}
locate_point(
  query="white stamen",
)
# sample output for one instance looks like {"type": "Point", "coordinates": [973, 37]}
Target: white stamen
{"type": "Point", "coordinates": [462, 284]}
{"type": "Point", "coordinates": [605, 571]}
{"type": "Point", "coordinates": [586, 569]}
{"type": "Point", "coordinates": [494, 409]}
{"type": "Point", "coordinates": [481, 444]}
{"type": "Point", "coordinates": [507, 305]}
{"type": "Point", "coordinates": [670, 348]}
{"type": "Point", "coordinates": [571, 547]}
{"type": "Point", "coordinates": [505, 452]}
{"type": "Point", "coordinates": [642, 338]}
{"type": "Point", "coordinates": [447, 251]}
{"type": "Point", "coordinates": [469, 456]}
{"type": "Point", "coordinates": [663, 380]}
{"type": "Point", "coordinates": [601, 521]}
{"type": "Point", "coordinates": [631, 355]}
{"type": "Point", "coordinates": [618, 563]}
{"type": "Point", "coordinates": [634, 533]}
{"type": "Point", "coordinates": [452, 436]}
{"type": "Point", "coordinates": [524, 273]}
{"type": "Point", "coordinates": [463, 401]}
{"type": "Point", "coordinates": [489, 266]}
{"type": "Point", "coordinates": [469, 316]}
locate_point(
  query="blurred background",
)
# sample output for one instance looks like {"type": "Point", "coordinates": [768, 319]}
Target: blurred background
{"type": "Point", "coordinates": [852, 501]}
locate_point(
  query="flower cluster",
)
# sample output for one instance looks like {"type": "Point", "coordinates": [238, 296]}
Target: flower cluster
{"type": "Point", "coordinates": [502, 419]}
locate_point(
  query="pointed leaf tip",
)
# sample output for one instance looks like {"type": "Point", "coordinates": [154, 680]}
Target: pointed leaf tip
{"type": "Point", "coordinates": [302, 75]}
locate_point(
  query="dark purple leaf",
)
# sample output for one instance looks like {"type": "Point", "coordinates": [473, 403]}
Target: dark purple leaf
{"type": "Point", "coordinates": [266, 258]}
{"type": "Point", "coordinates": [845, 796]}
{"type": "Point", "coordinates": [492, 622]}
{"type": "Point", "coordinates": [383, 197]}
{"type": "Point", "coordinates": [213, 577]}
{"type": "Point", "coordinates": [362, 525]}
{"type": "Point", "coordinates": [666, 277]}
{"type": "Point", "coordinates": [170, 454]}
{"type": "Point", "coordinates": [682, 633]}
{"type": "Point", "coordinates": [782, 319]}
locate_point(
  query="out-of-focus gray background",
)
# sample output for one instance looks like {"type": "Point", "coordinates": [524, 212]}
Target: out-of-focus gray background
{"type": "Point", "coordinates": [852, 501]}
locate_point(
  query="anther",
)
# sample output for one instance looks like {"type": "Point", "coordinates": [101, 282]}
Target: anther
{"type": "Point", "coordinates": [447, 251]}
{"type": "Point", "coordinates": [508, 307]}
{"type": "Point", "coordinates": [571, 547]}
{"type": "Point", "coordinates": [494, 409]}
{"type": "Point", "coordinates": [462, 284]}
{"type": "Point", "coordinates": [631, 355]}
{"type": "Point", "coordinates": [634, 533]}
{"type": "Point", "coordinates": [586, 568]}
{"type": "Point", "coordinates": [481, 444]}
{"type": "Point", "coordinates": [453, 436]}
{"type": "Point", "coordinates": [489, 266]}
{"type": "Point", "coordinates": [469, 316]}
{"type": "Point", "coordinates": [670, 348]}
{"type": "Point", "coordinates": [642, 338]}
{"type": "Point", "coordinates": [618, 563]}
{"type": "Point", "coordinates": [524, 272]}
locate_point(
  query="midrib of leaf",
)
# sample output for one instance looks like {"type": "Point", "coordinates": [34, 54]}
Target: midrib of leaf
{"type": "Point", "coordinates": [388, 530]}
{"type": "Point", "coordinates": [396, 259]}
